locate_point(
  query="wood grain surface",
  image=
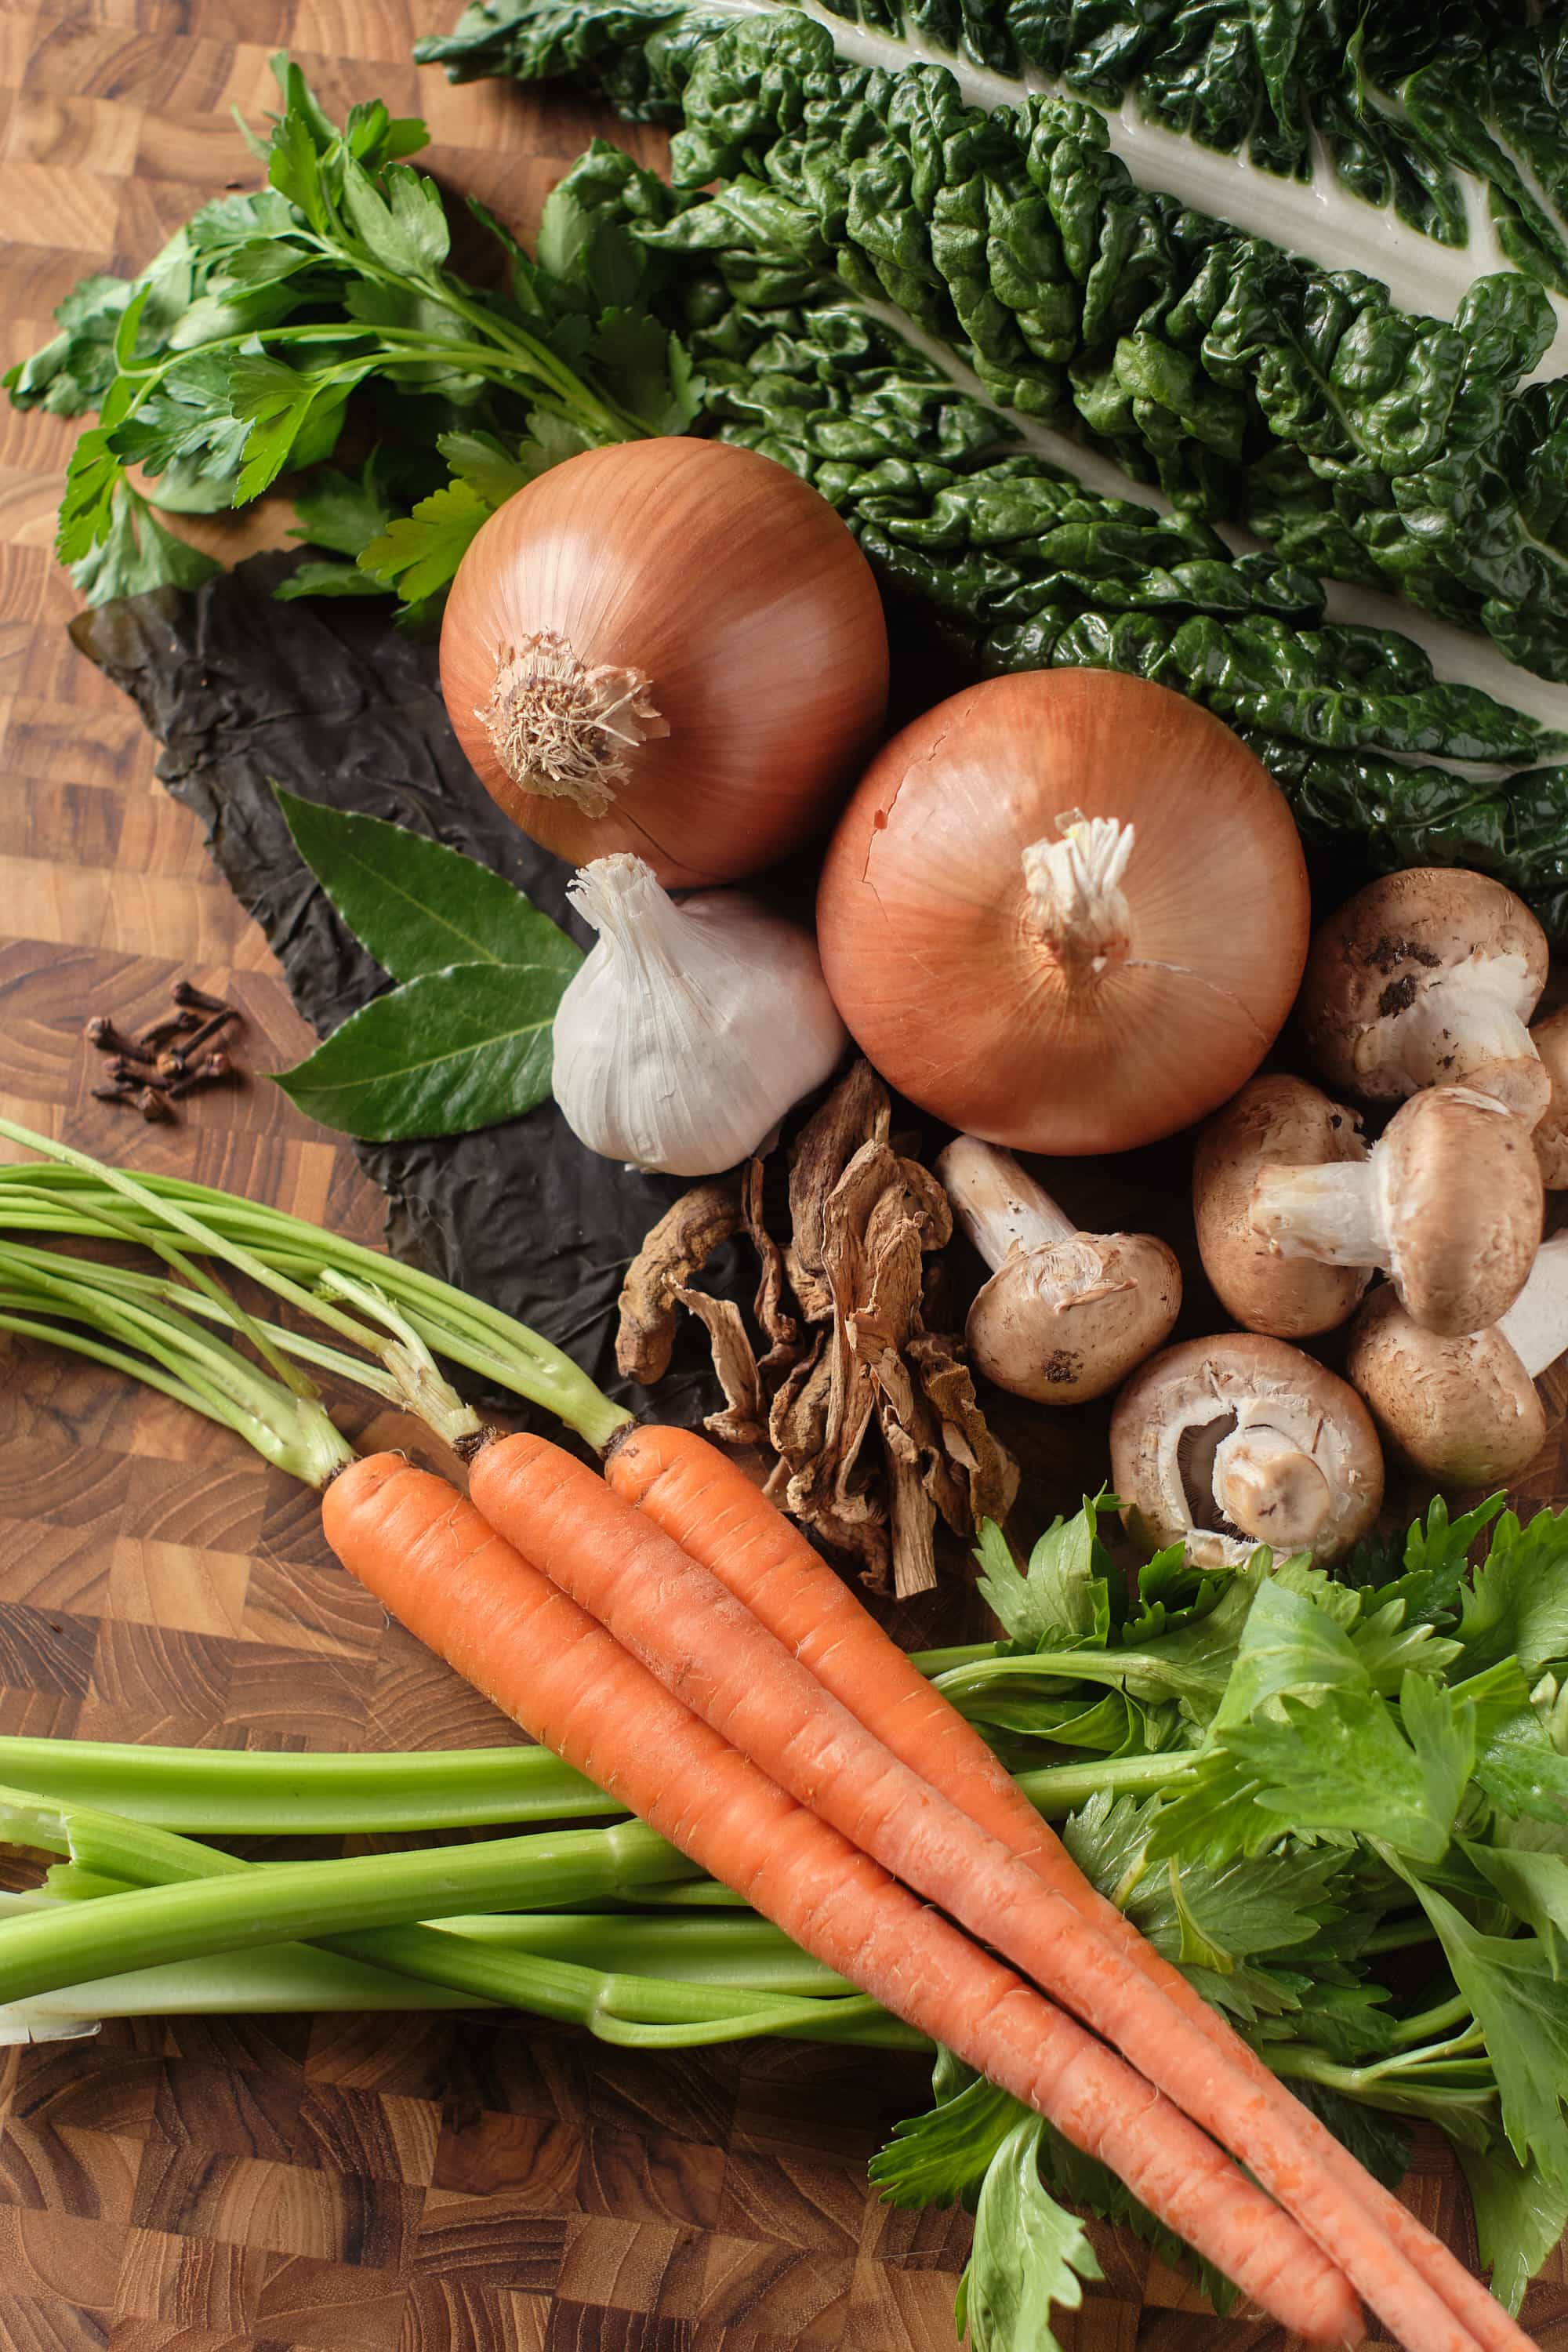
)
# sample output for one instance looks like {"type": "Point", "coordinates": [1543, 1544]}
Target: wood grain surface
{"type": "Point", "coordinates": [370, 2185]}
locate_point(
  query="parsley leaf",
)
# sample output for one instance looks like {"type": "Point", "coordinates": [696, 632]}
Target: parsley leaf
{"type": "Point", "coordinates": [418, 553]}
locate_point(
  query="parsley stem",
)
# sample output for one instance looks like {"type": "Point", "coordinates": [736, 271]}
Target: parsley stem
{"type": "Point", "coordinates": [1432, 2020]}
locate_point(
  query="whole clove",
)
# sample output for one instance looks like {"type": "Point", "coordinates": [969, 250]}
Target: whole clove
{"type": "Point", "coordinates": [153, 1105]}
{"type": "Point", "coordinates": [174, 1024]}
{"type": "Point", "coordinates": [134, 1069]}
{"type": "Point", "coordinates": [101, 1031]}
{"type": "Point", "coordinates": [209, 1072]}
{"type": "Point", "coordinates": [178, 1058]}
{"type": "Point", "coordinates": [185, 993]}
{"type": "Point", "coordinates": [116, 1091]}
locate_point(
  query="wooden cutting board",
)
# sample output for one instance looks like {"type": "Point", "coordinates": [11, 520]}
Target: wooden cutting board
{"type": "Point", "coordinates": [389, 2184]}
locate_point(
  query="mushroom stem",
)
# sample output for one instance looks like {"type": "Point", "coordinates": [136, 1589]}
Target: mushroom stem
{"type": "Point", "coordinates": [1462, 1029]}
{"type": "Point", "coordinates": [1075, 891]}
{"type": "Point", "coordinates": [1337, 1214]}
{"type": "Point", "coordinates": [1265, 1485]}
{"type": "Point", "coordinates": [1536, 1325]}
{"type": "Point", "coordinates": [1000, 1207]}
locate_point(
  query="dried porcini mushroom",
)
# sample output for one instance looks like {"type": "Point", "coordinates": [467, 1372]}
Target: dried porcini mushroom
{"type": "Point", "coordinates": [872, 1415]}
{"type": "Point", "coordinates": [680, 1246]}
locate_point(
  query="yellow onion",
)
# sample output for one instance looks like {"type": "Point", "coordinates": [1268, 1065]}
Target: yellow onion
{"type": "Point", "coordinates": [671, 647]}
{"type": "Point", "coordinates": [1066, 911]}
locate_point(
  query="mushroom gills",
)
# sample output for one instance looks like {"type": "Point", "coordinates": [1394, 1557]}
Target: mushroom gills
{"type": "Point", "coordinates": [1245, 1483]}
{"type": "Point", "coordinates": [1536, 1325]}
{"type": "Point", "coordinates": [1225, 1443]}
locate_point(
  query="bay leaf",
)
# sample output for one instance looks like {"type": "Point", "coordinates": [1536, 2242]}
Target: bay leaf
{"type": "Point", "coordinates": [446, 1053]}
{"type": "Point", "coordinates": [418, 906]}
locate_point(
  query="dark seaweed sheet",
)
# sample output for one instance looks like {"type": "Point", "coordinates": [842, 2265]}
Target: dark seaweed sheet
{"type": "Point", "coordinates": [327, 699]}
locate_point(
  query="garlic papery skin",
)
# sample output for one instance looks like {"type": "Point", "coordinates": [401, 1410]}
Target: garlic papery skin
{"type": "Point", "coordinates": [690, 1029]}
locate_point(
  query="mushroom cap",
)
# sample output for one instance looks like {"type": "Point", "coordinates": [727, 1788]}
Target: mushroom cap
{"type": "Point", "coordinates": [1274, 1122]}
{"type": "Point", "coordinates": [1067, 1321]}
{"type": "Point", "coordinates": [1369, 962]}
{"type": "Point", "coordinates": [1550, 1133]}
{"type": "Point", "coordinates": [1179, 1409]}
{"type": "Point", "coordinates": [1465, 1207]}
{"type": "Point", "coordinates": [1465, 1411]}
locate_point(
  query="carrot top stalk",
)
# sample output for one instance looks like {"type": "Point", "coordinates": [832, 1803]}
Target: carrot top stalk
{"type": "Point", "coordinates": [705, 1503]}
{"type": "Point", "coordinates": [441, 1569]}
{"type": "Point", "coordinates": [713, 1652]}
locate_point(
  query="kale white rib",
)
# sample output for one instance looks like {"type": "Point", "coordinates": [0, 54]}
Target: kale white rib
{"type": "Point", "coordinates": [1365, 441]}
{"type": "Point", "coordinates": [1400, 147]}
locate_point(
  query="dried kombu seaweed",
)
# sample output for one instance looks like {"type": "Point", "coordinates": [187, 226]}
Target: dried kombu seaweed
{"type": "Point", "coordinates": [326, 700]}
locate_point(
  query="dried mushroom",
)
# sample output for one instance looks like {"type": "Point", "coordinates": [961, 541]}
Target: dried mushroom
{"type": "Point", "coordinates": [872, 1415]}
{"type": "Point", "coordinates": [680, 1246]}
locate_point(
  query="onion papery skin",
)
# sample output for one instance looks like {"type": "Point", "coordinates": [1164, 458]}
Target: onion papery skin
{"type": "Point", "coordinates": [932, 945]}
{"type": "Point", "coordinates": [735, 590]}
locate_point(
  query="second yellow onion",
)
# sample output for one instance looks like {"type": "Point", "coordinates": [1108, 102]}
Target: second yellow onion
{"type": "Point", "coordinates": [1064, 912]}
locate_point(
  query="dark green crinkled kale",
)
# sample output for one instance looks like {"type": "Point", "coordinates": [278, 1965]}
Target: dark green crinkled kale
{"type": "Point", "coordinates": [1368, 442]}
{"type": "Point", "coordinates": [1025, 569]}
{"type": "Point", "coordinates": [1403, 98]}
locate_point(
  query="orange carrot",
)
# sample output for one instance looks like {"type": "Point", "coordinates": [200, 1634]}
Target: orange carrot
{"type": "Point", "coordinates": [705, 1502]}
{"type": "Point", "coordinates": [713, 1654]}
{"type": "Point", "coordinates": [427, 1554]}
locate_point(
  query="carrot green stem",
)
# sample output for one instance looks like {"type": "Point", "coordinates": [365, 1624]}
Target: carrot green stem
{"type": "Point", "coordinates": [73, 1196]}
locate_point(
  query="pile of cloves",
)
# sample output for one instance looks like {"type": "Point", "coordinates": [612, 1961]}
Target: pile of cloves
{"type": "Point", "coordinates": [176, 1057]}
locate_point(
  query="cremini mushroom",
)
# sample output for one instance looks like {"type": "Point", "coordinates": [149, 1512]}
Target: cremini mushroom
{"type": "Point", "coordinates": [1222, 1445]}
{"type": "Point", "coordinates": [1448, 1203]}
{"type": "Point", "coordinates": [1065, 1315]}
{"type": "Point", "coordinates": [1465, 1411]}
{"type": "Point", "coordinates": [1427, 978]}
{"type": "Point", "coordinates": [1550, 1133]}
{"type": "Point", "coordinates": [1274, 1122]}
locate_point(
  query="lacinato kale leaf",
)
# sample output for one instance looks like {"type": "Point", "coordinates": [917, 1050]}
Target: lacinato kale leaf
{"type": "Point", "coordinates": [1022, 566]}
{"type": "Point", "coordinates": [1381, 441]}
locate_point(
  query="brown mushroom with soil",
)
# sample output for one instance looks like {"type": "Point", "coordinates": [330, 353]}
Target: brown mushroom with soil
{"type": "Point", "coordinates": [1427, 978]}
{"type": "Point", "coordinates": [1448, 1203]}
{"type": "Point", "coordinates": [1464, 1410]}
{"type": "Point", "coordinates": [1065, 1315]}
{"type": "Point", "coordinates": [1550, 1133]}
{"type": "Point", "coordinates": [1222, 1445]}
{"type": "Point", "coordinates": [1274, 1122]}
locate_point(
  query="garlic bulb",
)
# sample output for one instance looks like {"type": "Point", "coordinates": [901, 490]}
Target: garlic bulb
{"type": "Point", "coordinates": [690, 1029]}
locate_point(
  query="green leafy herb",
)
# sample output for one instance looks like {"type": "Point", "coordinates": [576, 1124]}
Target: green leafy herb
{"type": "Point", "coordinates": [1030, 2255]}
{"type": "Point", "coordinates": [233, 360]}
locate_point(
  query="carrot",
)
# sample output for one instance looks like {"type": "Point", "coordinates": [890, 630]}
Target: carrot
{"type": "Point", "coordinates": [427, 1554]}
{"type": "Point", "coordinates": [713, 1654]}
{"type": "Point", "coordinates": [705, 1503]}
